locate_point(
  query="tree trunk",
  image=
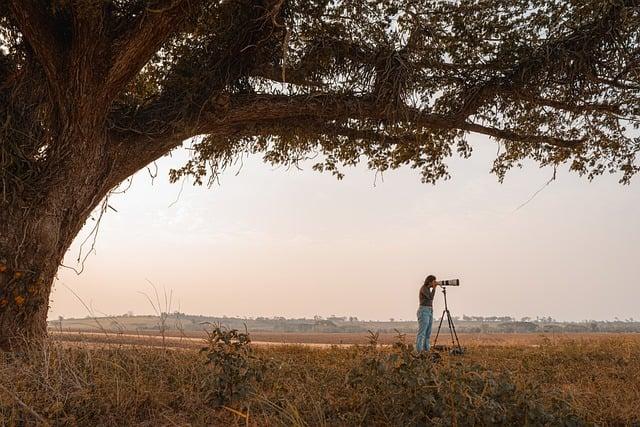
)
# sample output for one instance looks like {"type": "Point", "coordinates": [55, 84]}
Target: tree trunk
{"type": "Point", "coordinates": [30, 251]}
{"type": "Point", "coordinates": [34, 236]}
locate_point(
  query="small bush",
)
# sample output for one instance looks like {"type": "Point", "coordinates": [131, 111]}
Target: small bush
{"type": "Point", "coordinates": [235, 370]}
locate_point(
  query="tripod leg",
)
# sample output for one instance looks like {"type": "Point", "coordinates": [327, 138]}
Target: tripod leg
{"type": "Point", "coordinates": [456, 335]}
{"type": "Point", "coordinates": [439, 326]}
{"type": "Point", "coordinates": [450, 323]}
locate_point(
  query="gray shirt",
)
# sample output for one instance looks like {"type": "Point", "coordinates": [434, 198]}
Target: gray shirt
{"type": "Point", "coordinates": [426, 295]}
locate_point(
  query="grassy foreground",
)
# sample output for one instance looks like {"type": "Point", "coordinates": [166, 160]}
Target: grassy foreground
{"type": "Point", "coordinates": [568, 382]}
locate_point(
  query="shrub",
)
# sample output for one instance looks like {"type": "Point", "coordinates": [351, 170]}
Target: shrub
{"type": "Point", "coordinates": [235, 369]}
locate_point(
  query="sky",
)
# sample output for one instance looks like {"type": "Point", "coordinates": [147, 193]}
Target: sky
{"type": "Point", "coordinates": [276, 242]}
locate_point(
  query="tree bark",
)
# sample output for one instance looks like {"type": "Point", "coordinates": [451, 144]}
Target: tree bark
{"type": "Point", "coordinates": [36, 233]}
{"type": "Point", "coordinates": [30, 251]}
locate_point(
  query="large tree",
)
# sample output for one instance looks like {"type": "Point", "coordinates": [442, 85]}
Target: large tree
{"type": "Point", "coordinates": [91, 91]}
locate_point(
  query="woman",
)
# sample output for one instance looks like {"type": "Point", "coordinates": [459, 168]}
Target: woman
{"type": "Point", "coordinates": [425, 313]}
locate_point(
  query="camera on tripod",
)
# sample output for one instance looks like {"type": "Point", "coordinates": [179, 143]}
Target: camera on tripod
{"type": "Point", "coordinates": [452, 282]}
{"type": "Point", "coordinates": [456, 348]}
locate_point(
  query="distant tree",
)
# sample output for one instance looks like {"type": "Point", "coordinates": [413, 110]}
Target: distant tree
{"type": "Point", "coordinates": [94, 90]}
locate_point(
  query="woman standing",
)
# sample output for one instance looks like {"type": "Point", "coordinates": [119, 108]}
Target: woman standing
{"type": "Point", "coordinates": [425, 313]}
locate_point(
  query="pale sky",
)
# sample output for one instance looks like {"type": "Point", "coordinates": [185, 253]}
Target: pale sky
{"type": "Point", "coordinates": [299, 243]}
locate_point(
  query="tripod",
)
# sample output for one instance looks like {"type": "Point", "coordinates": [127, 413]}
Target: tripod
{"type": "Point", "coordinates": [455, 342]}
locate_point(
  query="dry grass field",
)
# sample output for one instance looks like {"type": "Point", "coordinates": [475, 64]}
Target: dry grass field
{"type": "Point", "coordinates": [327, 338]}
{"type": "Point", "coordinates": [503, 379]}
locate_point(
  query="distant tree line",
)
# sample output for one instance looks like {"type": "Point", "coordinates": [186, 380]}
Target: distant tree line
{"type": "Point", "coordinates": [351, 324]}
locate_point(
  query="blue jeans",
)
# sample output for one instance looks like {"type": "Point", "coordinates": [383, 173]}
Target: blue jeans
{"type": "Point", "coordinates": [425, 320]}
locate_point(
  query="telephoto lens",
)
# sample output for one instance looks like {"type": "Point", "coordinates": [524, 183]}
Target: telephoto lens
{"type": "Point", "coordinates": [452, 282]}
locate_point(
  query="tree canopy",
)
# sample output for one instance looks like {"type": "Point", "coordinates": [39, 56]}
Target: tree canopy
{"type": "Point", "coordinates": [389, 82]}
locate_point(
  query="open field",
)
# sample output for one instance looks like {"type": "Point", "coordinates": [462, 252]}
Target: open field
{"type": "Point", "coordinates": [566, 379]}
{"type": "Point", "coordinates": [188, 339]}
{"type": "Point", "coordinates": [180, 323]}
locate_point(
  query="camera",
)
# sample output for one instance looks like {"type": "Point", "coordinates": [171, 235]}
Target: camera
{"type": "Point", "coordinates": [452, 282]}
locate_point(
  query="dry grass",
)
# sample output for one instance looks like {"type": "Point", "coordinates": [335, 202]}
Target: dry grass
{"type": "Point", "coordinates": [562, 380]}
{"type": "Point", "coordinates": [329, 338]}
{"type": "Point", "coordinates": [598, 376]}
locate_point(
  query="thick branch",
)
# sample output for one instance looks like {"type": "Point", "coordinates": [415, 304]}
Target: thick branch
{"type": "Point", "coordinates": [143, 38]}
{"type": "Point", "coordinates": [333, 108]}
{"type": "Point", "coordinates": [150, 136]}
{"type": "Point", "coordinates": [88, 23]}
{"type": "Point", "coordinates": [515, 136]}
{"type": "Point", "coordinates": [307, 125]}
{"type": "Point", "coordinates": [37, 26]}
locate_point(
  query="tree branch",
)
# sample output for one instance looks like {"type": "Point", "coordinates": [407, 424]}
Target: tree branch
{"type": "Point", "coordinates": [511, 135]}
{"type": "Point", "coordinates": [150, 135]}
{"type": "Point", "coordinates": [327, 48]}
{"type": "Point", "coordinates": [579, 108]}
{"type": "Point", "coordinates": [37, 26]}
{"type": "Point", "coordinates": [88, 23]}
{"type": "Point", "coordinates": [581, 41]}
{"type": "Point", "coordinates": [264, 108]}
{"type": "Point", "coordinates": [143, 38]}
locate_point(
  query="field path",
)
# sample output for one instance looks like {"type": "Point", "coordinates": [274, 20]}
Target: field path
{"type": "Point", "coordinates": [157, 340]}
